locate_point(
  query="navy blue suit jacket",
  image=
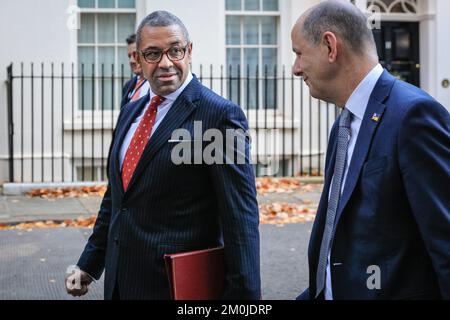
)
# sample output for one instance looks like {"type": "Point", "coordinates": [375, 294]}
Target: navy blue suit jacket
{"type": "Point", "coordinates": [126, 90]}
{"type": "Point", "coordinates": [170, 208]}
{"type": "Point", "coordinates": [394, 212]}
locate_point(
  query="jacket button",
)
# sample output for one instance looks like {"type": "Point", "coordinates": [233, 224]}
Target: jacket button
{"type": "Point", "coordinates": [116, 240]}
{"type": "Point", "coordinates": [123, 210]}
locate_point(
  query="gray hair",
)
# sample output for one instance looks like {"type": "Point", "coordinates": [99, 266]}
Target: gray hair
{"type": "Point", "coordinates": [160, 19]}
{"type": "Point", "coordinates": [341, 18]}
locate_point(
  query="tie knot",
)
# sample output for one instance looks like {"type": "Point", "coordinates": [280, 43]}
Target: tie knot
{"type": "Point", "coordinates": [345, 118]}
{"type": "Point", "coordinates": [157, 100]}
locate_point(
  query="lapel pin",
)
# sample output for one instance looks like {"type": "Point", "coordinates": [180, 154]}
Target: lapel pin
{"type": "Point", "coordinates": [376, 117]}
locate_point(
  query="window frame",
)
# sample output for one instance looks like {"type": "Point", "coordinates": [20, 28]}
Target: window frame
{"type": "Point", "coordinates": [242, 14]}
{"type": "Point", "coordinates": [96, 45]}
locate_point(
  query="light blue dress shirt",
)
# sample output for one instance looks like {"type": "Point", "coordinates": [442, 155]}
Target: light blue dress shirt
{"type": "Point", "coordinates": [160, 114]}
{"type": "Point", "coordinates": [356, 104]}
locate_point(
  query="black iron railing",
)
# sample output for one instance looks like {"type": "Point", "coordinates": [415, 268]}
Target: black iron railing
{"type": "Point", "coordinates": [61, 119]}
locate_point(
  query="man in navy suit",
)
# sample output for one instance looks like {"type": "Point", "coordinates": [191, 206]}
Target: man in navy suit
{"type": "Point", "coordinates": [153, 206]}
{"type": "Point", "coordinates": [137, 86]}
{"type": "Point", "coordinates": [382, 229]}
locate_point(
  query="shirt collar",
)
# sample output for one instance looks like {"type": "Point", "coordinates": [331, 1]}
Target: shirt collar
{"type": "Point", "coordinates": [174, 95]}
{"type": "Point", "coordinates": [357, 103]}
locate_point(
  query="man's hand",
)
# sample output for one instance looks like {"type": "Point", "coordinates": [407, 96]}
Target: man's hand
{"type": "Point", "coordinates": [77, 283]}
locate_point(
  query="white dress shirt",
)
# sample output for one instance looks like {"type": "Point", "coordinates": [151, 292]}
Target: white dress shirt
{"type": "Point", "coordinates": [163, 108]}
{"type": "Point", "coordinates": [356, 104]}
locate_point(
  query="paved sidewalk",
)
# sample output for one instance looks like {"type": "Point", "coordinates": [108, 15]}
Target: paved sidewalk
{"type": "Point", "coordinates": [23, 208]}
{"type": "Point", "coordinates": [33, 263]}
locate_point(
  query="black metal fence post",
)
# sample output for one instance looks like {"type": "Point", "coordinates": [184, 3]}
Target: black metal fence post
{"type": "Point", "coordinates": [10, 122]}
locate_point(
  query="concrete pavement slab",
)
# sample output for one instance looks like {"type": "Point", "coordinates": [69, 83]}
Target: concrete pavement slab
{"type": "Point", "coordinates": [21, 208]}
{"type": "Point", "coordinates": [36, 206]}
{"type": "Point", "coordinates": [91, 204]}
{"type": "Point", "coordinates": [33, 264]}
{"type": "Point", "coordinates": [284, 260]}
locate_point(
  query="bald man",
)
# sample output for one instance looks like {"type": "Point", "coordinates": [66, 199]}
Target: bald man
{"type": "Point", "coordinates": [382, 229]}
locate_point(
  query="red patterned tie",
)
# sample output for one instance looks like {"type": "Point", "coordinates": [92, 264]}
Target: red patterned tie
{"type": "Point", "coordinates": [139, 141]}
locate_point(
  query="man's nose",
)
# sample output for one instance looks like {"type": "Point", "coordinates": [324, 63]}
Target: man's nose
{"type": "Point", "coordinates": [132, 57]}
{"type": "Point", "coordinates": [297, 69]}
{"type": "Point", "coordinates": [165, 62]}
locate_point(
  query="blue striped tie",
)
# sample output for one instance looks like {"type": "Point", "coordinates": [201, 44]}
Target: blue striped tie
{"type": "Point", "coordinates": [339, 166]}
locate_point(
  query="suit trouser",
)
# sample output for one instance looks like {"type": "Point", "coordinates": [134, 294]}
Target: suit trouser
{"type": "Point", "coordinates": [116, 291]}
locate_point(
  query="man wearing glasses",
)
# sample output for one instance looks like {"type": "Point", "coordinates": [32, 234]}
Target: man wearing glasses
{"type": "Point", "coordinates": [153, 206]}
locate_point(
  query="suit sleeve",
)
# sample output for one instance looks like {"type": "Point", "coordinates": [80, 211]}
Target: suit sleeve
{"type": "Point", "coordinates": [92, 259]}
{"type": "Point", "coordinates": [424, 159]}
{"type": "Point", "coordinates": [236, 193]}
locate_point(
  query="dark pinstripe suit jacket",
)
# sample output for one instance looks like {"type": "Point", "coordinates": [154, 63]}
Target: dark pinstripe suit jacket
{"type": "Point", "coordinates": [170, 208]}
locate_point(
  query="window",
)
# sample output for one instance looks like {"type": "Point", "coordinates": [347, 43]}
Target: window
{"type": "Point", "coordinates": [104, 26]}
{"type": "Point", "coordinates": [252, 51]}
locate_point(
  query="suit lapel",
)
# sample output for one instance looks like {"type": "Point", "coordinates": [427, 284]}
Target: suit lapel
{"type": "Point", "coordinates": [365, 138]}
{"type": "Point", "coordinates": [131, 112]}
{"type": "Point", "coordinates": [178, 113]}
{"type": "Point", "coordinates": [131, 86]}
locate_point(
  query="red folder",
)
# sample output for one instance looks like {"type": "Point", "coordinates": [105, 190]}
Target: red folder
{"type": "Point", "coordinates": [196, 275]}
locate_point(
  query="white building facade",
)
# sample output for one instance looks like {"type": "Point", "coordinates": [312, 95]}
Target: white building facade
{"type": "Point", "coordinates": [62, 117]}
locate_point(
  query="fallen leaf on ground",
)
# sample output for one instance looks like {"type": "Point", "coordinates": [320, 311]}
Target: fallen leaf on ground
{"type": "Point", "coordinates": [285, 213]}
{"type": "Point", "coordinates": [70, 192]}
{"type": "Point", "coordinates": [29, 226]}
{"type": "Point", "coordinates": [276, 185]}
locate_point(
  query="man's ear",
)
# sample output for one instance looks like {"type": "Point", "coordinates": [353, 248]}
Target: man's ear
{"type": "Point", "coordinates": [329, 40]}
{"type": "Point", "coordinates": [189, 51]}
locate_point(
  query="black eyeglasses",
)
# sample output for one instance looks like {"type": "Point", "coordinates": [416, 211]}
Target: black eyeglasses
{"type": "Point", "coordinates": [175, 53]}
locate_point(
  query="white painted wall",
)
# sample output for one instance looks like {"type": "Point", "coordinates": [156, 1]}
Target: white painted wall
{"type": "Point", "coordinates": [36, 31]}
{"type": "Point", "coordinates": [441, 51]}
{"type": "Point", "coordinates": [30, 31]}
{"type": "Point", "coordinates": [205, 21]}
{"type": "Point", "coordinates": [427, 31]}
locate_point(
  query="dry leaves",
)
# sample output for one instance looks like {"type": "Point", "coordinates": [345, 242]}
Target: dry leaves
{"type": "Point", "coordinates": [285, 185]}
{"type": "Point", "coordinates": [77, 223]}
{"type": "Point", "coordinates": [313, 173]}
{"type": "Point", "coordinates": [263, 186]}
{"type": "Point", "coordinates": [72, 192]}
{"type": "Point", "coordinates": [285, 213]}
{"type": "Point", "coordinates": [278, 213]}
{"type": "Point", "coordinates": [272, 213]}
{"type": "Point", "coordinates": [276, 185]}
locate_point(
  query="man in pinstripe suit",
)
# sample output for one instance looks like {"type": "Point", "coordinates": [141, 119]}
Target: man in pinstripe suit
{"type": "Point", "coordinates": [161, 207]}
